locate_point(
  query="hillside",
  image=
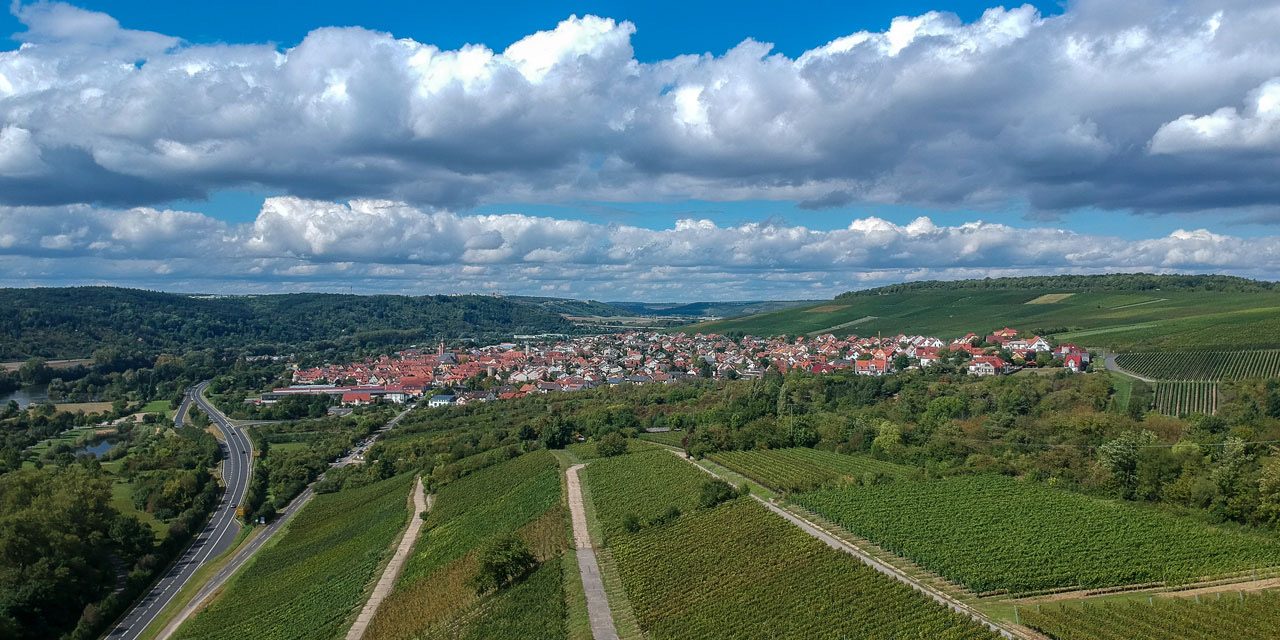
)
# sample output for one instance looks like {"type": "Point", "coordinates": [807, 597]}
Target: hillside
{"type": "Point", "coordinates": [73, 322]}
{"type": "Point", "coordinates": [1127, 312]}
{"type": "Point", "coordinates": [708, 309]}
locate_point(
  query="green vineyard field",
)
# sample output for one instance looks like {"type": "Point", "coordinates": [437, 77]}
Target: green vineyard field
{"type": "Point", "coordinates": [738, 571]}
{"type": "Point", "coordinates": [995, 534]}
{"type": "Point", "coordinates": [643, 484]}
{"type": "Point", "coordinates": [1238, 616]}
{"type": "Point", "coordinates": [1181, 398]}
{"type": "Point", "coordinates": [433, 597]}
{"type": "Point", "coordinates": [1203, 365]}
{"type": "Point", "coordinates": [802, 469]}
{"type": "Point", "coordinates": [311, 582]}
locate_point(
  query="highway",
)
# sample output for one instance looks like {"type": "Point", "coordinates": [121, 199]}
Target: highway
{"type": "Point", "coordinates": [217, 536]}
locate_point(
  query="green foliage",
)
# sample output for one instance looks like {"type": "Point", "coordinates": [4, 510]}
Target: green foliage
{"type": "Point", "coordinates": [611, 444]}
{"type": "Point", "coordinates": [309, 583]}
{"type": "Point", "coordinates": [802, 469]}
{"type": "Point", "coordinates": [715, 491]}
{"type": "Point", "coordinates": [503, 562]}
{"type": "Point", "coordinates": [1235, 615]}
{"type": "Point", "coordinates": [74, 321]}
{"type": "Point", "coordinates": [737, 571]}
{"type": "Point", "coordinates": [57, 554]}
{"type": "Point", "coordinates": [992, 533]}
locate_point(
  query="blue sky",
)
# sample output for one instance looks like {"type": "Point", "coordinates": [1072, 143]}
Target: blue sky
{"type": "Point", "coordinates": [664, 29]}
{"type": "Point", "coordinates": [634, 150]}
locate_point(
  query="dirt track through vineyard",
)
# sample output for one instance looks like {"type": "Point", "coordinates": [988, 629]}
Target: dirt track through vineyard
{"type": "Point", "coordinates": [602, 627]}
{"type": "Point", "coordinates": [389, 575]}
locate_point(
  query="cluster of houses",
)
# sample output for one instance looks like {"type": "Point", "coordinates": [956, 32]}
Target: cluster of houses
{"type": "Point", "coordinates": [509, 370]}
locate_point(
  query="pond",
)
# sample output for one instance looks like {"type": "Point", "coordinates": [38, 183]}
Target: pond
{"type": "Point", "coordinates": [98, 448]}
{"type": "Point", "coordinates": [26, 396]}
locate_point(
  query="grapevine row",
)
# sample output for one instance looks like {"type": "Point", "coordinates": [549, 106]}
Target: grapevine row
{"type": "Point", "coordinates": [1202, 365]}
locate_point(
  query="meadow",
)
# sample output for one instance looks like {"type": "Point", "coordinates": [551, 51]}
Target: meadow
{"type": "Point", "coordinates": [995, 534]}
{"type": "Point", "coordinates": [1155, 320]}
{"type": "Point", "coordinates": [1235, 615]}
{"type": "Point", "coordinates": [313, 580]}
{"type": "Point", "coordinates": [804, 469]}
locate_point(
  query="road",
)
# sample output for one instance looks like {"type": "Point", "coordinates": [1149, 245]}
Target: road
{"type": "Point", "coordinates": [1109, 361]}
{"type": "Point", "coordinates": [598, 613]}
{"type": "Point", "coordinates": [216, 537]}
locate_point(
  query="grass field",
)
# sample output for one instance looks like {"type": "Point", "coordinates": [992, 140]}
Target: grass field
{"type": "Point", "coordinates": [1181, 398]}
{"type": "Point", "coordinates": [1239, 616]}
{"type": "Point", "coordinates": [995, 534]}
{"type": "Point", "coordinates": [670, 438]}
{"type": "Point", "coordinates": [1174, 320]}
{"type": "Point", "coordinates": [433, 597]}
{"type": "Point", "coordinates": [738, 571]}
{"type": "Point", "coordinates": [311, 582]}
{"type": "Point", "coordinates": [1211, 365]}
{"type": "Point", "coordinates": [156, 406]}
{"type": "Point", "coordinates": [803, 469]}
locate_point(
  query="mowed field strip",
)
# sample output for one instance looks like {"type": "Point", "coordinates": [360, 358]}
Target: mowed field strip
{"type": "Point", "coordinates": [1050, 298]}
{"type": "Point", "coordinates": [845, 325]}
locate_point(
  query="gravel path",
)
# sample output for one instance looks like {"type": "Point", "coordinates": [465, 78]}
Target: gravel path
{"type": "Point", "coordinates": [389, 575]}
{"type": "Point", "coordinates": [597, 602]}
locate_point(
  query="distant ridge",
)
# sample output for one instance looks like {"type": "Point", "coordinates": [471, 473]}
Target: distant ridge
{"type": "Point", "coordinates": [1106, 282]}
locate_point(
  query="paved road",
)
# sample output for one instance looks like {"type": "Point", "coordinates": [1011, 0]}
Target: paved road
{"type": "Point", "coordinates": [1109, 360]}
{"type": "Point", "coordinates": [602, 627]}
{"type": "Point", "coordinates": [217, 536]}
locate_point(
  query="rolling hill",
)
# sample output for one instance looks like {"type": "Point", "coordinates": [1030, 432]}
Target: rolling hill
{"type": "Point", "coordinates": [1122, 312]}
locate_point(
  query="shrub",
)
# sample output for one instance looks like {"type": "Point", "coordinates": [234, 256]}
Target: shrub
{"type": "Point", "coordinates": [612, 444]}
{"type": "Point", "coordinates": [713, 492]}
{"type": "Point", "coordinates": [503, 562]}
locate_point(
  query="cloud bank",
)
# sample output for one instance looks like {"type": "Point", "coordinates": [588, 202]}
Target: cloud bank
{"type": "Point", "coordinates": [378, 245]}
{"type": "Point", "coordinates": [1149, 106]}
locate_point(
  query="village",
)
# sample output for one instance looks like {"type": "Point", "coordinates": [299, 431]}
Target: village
{"type": "Point", "coordinates": [510, 370]}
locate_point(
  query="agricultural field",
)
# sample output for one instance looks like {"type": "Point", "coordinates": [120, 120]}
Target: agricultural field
{"type": "Point", "coordinates": [738, 571]}
{"type": "Point", "coordinates": [1181, 398]}
{"type": "Point", "coordinates": [644, 485]}
{"type": "Point", "coordinates": [802, 469]}
{"type": "Point", "coordinates": [1120, 320]}
{"type": "Point", "coordinates": [669, 438]}
{"type": "Point", "coordinates": [1206, 365]}
{"type": "Point", "coordinates": [433, 597]}
{"type": "Point", "coordinates": [313, 580]}
{"type": "Point", "coordinates": [1235, 615]}
{"type": "Point", "coordinates": [998, 535]}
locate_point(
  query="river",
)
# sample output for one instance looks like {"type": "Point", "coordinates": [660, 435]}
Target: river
{"type": "Point", "coordinates": [26, 396]}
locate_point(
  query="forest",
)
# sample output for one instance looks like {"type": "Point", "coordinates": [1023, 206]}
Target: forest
{"type": "Point", "coordinates": [73, 322]}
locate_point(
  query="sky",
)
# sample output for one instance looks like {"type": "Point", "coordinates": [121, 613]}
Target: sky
{"type": "Point", "coordinates": [633, 151]}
